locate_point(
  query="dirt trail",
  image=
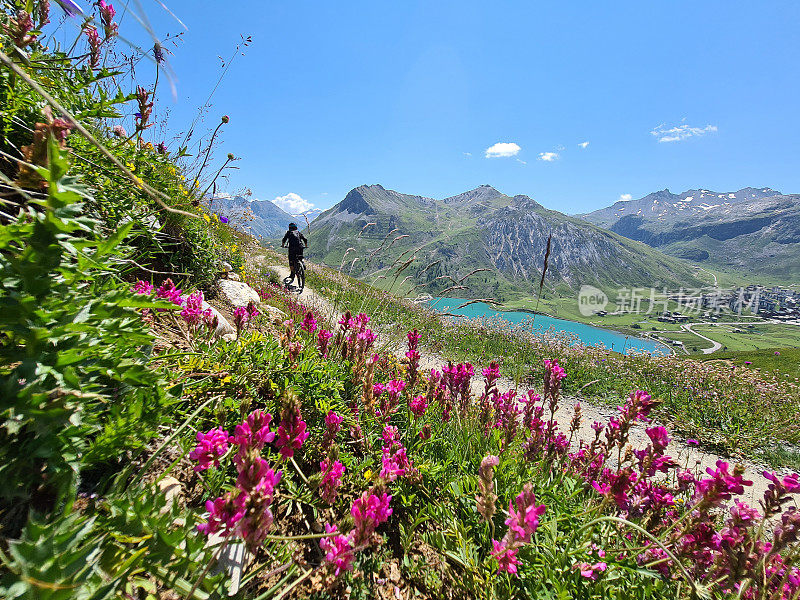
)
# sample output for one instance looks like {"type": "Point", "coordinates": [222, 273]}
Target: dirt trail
{"type": "Point", "coordinates": [691, 457]}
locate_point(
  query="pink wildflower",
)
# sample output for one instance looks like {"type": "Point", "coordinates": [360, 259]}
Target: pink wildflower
{"type": "Point", "coordinates": [721, 485]}
{"type": "Point", "coordinates": [323, 340]}
{"type": "Point", "coordinates": [223, 513]}
{"type": "Point", "coordinates": [211, 446]}
{"type": "Point", "coordinates": [331, 479]}
{"type": "Point", "coordinates": [144, 288]}
{"type": "Point", "coordinates": [333, 423]}
{"type": "Point", "coordinates": [193, 308]}
{"type": "Point", "coordinates": [778, 491]}
{"type": "Point", "coordinates": [524, 521]}
{"type": "Point", "coordinates": [368, 512]}
{"type": "Point", "coordinates": [338, 550]}
{"type": "Point", "coordinates": [309, 324]}
{"type": "Point", "coordinates": [291, 432]}
{"type": "Point", "coordinates": [491, 374]}
{"type": "Point", "coordinates": [590, 571]}
{"type": "Point", "coordinates": [659, 437]}
{"type": "Point", "coordinates": [506, 557]}
{"type": "Point", "coordinates": [487, 497]}
{"type": "Point", "coordinates": [107, 13]}
{"type": "Point", "coordinates": [168, 291]}
{"type": "Point", "coordinates": [253, 432]}
{"type": "Point", "coordinates": [257, 519]}
{"type": "Point", "coordinates": [241, 317]}
{"type": "Point", "coordinates": [418, 406]}
{"type": "Point", "coordinates": [94, 45]}
{"type": "Point", "coordinates": [395, 461]}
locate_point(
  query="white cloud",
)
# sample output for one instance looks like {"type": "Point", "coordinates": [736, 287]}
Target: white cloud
{"type": "Point", "coordinates": [502, 150]}
{"type": "Point", "coordinates": [467, 153]}
{"type": "Point", "coordinates": [522, 162]}
{"type": "Point", "coordinates": [625, 198]}
{"type": "Point", "coordinates": [583, 145]}
{"type": "Point", "coordinates": [679, 133]}
{"type": "Point", "coordinates": [548, 156]}
{"type": "Point", "coordinates": [293, 204]}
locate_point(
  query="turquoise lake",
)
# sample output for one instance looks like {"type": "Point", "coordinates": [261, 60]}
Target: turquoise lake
{"type": "Point", "coordinates": [588, 334]}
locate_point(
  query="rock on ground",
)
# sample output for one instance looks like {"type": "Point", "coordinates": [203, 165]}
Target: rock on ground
{"type": "Point", "coordinates": [223, 326]}
{"type": "Point", "coordinates": [238, 293]}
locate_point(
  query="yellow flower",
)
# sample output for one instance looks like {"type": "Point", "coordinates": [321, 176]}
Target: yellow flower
{"type": "Point", "coordinates": [130, 166]}
{"type": "Point", "coordinates": [139, 182]}
{"type": "Point", "coordinates": [226, 379]}
{"type": "Point", "coordinates": [207, 218]}
{"type": "Point", "coordinates": [368, 474]}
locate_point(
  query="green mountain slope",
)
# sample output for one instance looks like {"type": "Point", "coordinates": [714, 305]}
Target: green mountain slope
{"type": "Point", "coordinates": [483, 229]}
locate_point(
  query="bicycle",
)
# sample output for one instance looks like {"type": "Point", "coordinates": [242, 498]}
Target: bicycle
{"type": "Point", "coordinates": [300, 274]}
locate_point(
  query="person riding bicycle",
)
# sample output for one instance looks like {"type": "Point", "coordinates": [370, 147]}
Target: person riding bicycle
{"type": "Point", "coordinates": [297, 242]}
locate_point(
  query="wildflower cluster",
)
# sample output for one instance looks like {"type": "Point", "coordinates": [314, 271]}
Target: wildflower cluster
{"type": "Point", "coordinates": [243, 511]}
{"type": "Point", "coordinates": [523, 520]}
{"type": "Point", "coordinates": [196, 313]}
{"type": "Point", "coordinates": [368, 512]}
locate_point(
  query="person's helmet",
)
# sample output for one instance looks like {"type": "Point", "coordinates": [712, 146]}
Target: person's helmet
{"type": "Point", "coordinates": [292, 226]}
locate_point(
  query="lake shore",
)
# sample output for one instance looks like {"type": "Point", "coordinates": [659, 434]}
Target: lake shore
{"type": "Point", "coordinates": [587, 333]}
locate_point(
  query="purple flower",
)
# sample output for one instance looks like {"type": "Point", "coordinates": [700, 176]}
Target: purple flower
{"type": "Point", "coordinates": [69, 7]}
{"type": "Point", "coordinates": [254, 431]}
{"type": "Point", "coordinates": [291, 432]}
{"type": "Point", "coordinates": [309, 323]}
{"type": "Point", "coordinates": [223, 513]}
{"type": "Point", "coordinates": [338, 550]}
{"type": "Point", "coordinates": [144, 288]}
{"type": "Point", "coordinates": [210, 447]}
{"type": "Point", "coordinates": [223, 219]}
{"type": "Point", "coordinates": [107, 13]}
{"type": "Point", "coordinates": [193, 309]}
{"type": "Point", "coordinates": [331, 479]}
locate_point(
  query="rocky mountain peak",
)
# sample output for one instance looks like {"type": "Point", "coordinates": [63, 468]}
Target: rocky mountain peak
{"type": "Point", "coordinates": [482, 193]}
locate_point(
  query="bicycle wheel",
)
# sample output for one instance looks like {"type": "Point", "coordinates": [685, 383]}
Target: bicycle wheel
{"type": "Point", "coordinates": [301, 275]}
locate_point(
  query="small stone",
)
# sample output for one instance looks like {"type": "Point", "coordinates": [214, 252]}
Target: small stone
{"type": "Point", "coordinates": [229, 337]}
{"type": "Point", "coordinates": [172, 490]}
{"type": "Point", "coordinates": [234, 276]}
{"type": "Point", "coordinates": [273, 312]}
{"type": "Point", "coordinates": [238, 293]}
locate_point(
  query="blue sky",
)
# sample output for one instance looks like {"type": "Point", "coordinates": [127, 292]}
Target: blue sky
{"type": "Point", "coordinates": [411, 95]}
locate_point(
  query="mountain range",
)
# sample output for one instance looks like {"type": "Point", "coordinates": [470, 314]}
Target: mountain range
{"type": "Point", "coordinates": [260, 218]}
{"type": "Point", "coordinates": [373, 231]}
{"type": "Point", "coordinates": [750, 230]}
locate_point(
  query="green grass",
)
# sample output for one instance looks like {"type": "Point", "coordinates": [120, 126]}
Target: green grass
{"type": "Point", "coordinates": [760, 337]}
{"type": "Point", "coordinates": [784, 362]}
